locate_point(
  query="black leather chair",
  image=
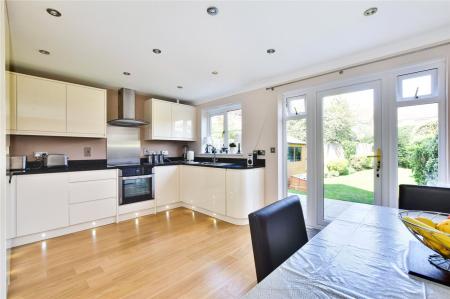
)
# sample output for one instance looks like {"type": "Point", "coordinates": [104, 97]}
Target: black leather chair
{"type": "Point", "coordinates": [424, 198]}
{"type": "Point", "coordinates": [277, 231]}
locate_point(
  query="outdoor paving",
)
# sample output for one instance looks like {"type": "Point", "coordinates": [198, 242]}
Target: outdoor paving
{"type": "Point", "coordinates": [332, 207]}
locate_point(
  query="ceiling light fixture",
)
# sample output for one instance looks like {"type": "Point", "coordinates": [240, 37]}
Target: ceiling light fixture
{"type": "Point", "coordinates": [157, 51]}
{"type": "Point", "coordinates": [53, 12]}
{"type": "Point", "coordinates": [179, 87]}
{"type": "Point", "coordinates": [215, 72]}
{"type": "Point", "coordinates": [270, 51]}
{"type": "Point", "coordinates": [212, 10]}
{"type": "Point", "coordinates": [371, 11]}
{"type": "Point", "coordinates": [44, 52]}
{"type": "Point", "coordinates": [126, 73]}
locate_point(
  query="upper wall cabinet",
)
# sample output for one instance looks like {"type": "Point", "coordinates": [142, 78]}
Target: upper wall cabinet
{"type": "Point", "coordinates": [39, 106]}
{"type": "Point", "coordinates": [169, 121]}
{"type": "Point", "coordinates": [86, 110]}
{"type": "Point", "coordinates": [11, 103]}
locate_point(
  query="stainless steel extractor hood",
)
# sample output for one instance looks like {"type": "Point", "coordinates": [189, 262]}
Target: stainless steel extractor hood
{"type": "Point", "coordinates": [127, 110]}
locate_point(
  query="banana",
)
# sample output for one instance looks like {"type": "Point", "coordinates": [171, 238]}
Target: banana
{"type": "Point", "coordinates": [427, 221]}
{"type": "Point", "coordinates": [444, 226]}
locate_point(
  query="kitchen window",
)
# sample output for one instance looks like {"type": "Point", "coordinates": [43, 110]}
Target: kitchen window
{"type": "Point", "coordinates": [224, 128]}
{"type": "Point", "coordinates": [417, 85]}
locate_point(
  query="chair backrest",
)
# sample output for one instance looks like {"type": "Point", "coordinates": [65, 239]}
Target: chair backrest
{"type": "Point", "coordinates": [277, 231]}
{"type": "Point", "coordinates": [424, 198]}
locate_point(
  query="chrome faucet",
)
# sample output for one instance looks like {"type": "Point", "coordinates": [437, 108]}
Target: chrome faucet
{"type": "Point", "coordinates": [213, 151]}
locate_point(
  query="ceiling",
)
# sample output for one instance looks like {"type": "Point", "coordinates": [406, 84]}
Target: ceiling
{"type": "Point", "coordinates": [96, 41]}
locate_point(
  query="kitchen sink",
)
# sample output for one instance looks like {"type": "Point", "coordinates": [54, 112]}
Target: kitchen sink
{"type": "Point", "coordinates": [216, 164]}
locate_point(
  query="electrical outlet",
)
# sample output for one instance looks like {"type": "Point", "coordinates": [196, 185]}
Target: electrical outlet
{"type": "Point", "coordinates": [272, 150]}
{"type": "Point", "coordinates": [87, 151]}
{"type": "Point", "coordinates": [261, 152]}
{"type": "Point", "coordinates": [147, 151]}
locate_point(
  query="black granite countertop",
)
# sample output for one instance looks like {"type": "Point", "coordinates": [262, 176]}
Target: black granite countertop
{"type": "Point", "coordinates": [88, 165]}
{"type": "Point", "coordinates": [75, 165]}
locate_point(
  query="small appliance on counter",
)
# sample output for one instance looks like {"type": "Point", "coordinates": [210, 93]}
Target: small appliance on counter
{"type": "Point", "coordinates": [250, 160]}
{"type": "Point", "coordinates": [17, 163]}
{"type": "Point", "coordinates": [56, 160]}
{"type": "Point", "coordinates": [190, 156]}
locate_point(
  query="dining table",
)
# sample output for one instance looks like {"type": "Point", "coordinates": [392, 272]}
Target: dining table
{"type": "Point", "coordinates": [361, 254]}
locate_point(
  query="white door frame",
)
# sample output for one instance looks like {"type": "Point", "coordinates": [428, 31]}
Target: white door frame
{"type": "Point", "coordinates": [377, 106]}
{"type": "Point", "coordinates": [387, 108]}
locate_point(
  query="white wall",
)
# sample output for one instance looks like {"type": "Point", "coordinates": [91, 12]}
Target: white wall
{"type": "Point", "coordinates": [3, 281]}
{"type": "Point", "coordinates": [261, 110]}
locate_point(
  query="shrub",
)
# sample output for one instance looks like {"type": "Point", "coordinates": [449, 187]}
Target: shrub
{"type": "Point", "coordinates": [340, 166]}
{"type": "Point", "coordinates": [424, 161]}
{"type": "Point", "coordinates": [361, 162]}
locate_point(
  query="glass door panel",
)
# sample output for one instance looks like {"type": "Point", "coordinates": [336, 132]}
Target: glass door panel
{"type": "Point", "coordinates": [350, 142]}
{"type": "Point", "coordinates": [296, 165]}
{"type": "Point", "coordinates": [418, 144]}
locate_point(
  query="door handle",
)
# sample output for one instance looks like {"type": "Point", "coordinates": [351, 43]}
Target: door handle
{"type": "Point", "coordinates": [378, 157]}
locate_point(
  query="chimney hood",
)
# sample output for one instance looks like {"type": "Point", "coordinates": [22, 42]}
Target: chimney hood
{"type": "Point", "coordinates": [127, 110]}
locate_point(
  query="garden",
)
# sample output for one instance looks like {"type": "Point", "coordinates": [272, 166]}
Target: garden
{"type": "Point", "coordinates": [348, 141]}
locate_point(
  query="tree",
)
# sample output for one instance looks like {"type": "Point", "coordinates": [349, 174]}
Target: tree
{"type": "Point", "coordinates": [338, 121]}
{"type": "Point", "coordinates": [424, 161]}
{"type": "Point", "coordinates": [296, 128]}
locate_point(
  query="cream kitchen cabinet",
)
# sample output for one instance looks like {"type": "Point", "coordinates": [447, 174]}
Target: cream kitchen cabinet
{"type": "Point", "coordinates": [11, 101]}
{"type": "Point", "coordinates": [86, 110]}
{"type": "Point", "coordinates": [42, 202]}
{"type": "Point", "coordinates": [41, 105]}
{"type": "Point", "coordinates": [245, 191]}
{"type": "Point", "coordinates": [55, 204]}
{"type": "Point", "coordinates": [169, 121]}
{"type": "Point", "coordinates": [167, 185]}
{"type": "Point", "coordinates": [203, 187]}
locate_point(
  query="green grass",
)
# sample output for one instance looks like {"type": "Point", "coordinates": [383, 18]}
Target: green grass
{"type": "Point", "coordinates": [356, 187]}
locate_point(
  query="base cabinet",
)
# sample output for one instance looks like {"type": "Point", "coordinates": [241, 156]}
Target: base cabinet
{"type": "Point", "coordinates": [42, 203]}
{"type": "Point", "coordinates": [245, 192]}
{"type": "Point", "coordinates": [167, 185]}
{"type": "Point", "coordinates": [59, 203]}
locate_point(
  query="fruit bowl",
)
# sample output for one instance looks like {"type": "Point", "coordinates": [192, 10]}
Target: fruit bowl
{"type": "Point", "coordinates": [433, 230]}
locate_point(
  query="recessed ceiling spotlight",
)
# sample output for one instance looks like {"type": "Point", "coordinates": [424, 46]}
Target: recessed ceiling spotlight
{"type": "Point", "coordinates": [157, 51]}
{"type": "Point", "coordinates": [270, 51]}
{"type": "Point", "coordinates": [371, 11]}
{"type": "Point", "coordinates": [44, 52]}
{"type": "Point", "coordinates": [179, 87]}
{"type": "Point", "coordinates": [53, 12]}
{"type": "Point", "coordinates": [212, 10]}
{"type": "Point", "coordinates": [215, 72]}
{"type": "Point", "coordinates": [126, 73]}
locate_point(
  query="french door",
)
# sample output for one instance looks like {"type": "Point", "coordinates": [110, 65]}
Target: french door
{"type": "Point", "coordinates": [353, 142]}
{"type": "Point", "coordinates": [349, 143]}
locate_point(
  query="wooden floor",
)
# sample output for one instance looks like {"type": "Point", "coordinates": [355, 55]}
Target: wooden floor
{"type": "Point", "coordinates": [176, 254]}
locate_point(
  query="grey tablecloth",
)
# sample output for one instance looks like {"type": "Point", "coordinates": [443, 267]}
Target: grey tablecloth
{"type": "Point", "coordinates": [362, 254]}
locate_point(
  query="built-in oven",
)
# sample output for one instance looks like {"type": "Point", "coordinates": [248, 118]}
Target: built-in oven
{"type": "Point", "coordinates": [137, 187]}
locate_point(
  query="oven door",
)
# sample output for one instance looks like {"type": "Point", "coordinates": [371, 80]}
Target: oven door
{"type": "Point", "coordinates": [136, 189]}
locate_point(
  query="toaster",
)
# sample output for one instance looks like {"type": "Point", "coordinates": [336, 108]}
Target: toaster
{"type": "Point", "coordinates": [56, 160]}
{"type": "Point", "coordinates": [17, 163]}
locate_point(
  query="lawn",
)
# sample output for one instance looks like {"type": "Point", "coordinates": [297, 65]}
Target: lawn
{"type": "Point", "coordinates": [357, 187]}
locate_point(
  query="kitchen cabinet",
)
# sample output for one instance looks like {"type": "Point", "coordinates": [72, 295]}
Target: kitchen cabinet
{"type": "Point", "coordinates": [167, 185]}
{"type": "Point", "coordinates": [42, 202]}
{"type": "Point", "coordinates": [59, 203]}
{"type": "Point", "coordinates": [11, 101]}
{"type": "Point", "coordinates": [245, 191]}
{"type": "Point", "coordinates": [183, 121]}
{"type": "Point", "coordinates": [44, 107]}
{"type": "Point", "coordinates": [86, 110]}
{"type": "Point", "coordinates": [203, 187]}
{"type": "Point", "coordinates": [41, 105]}
{"type": "Point", "coordinates": [169, 121]}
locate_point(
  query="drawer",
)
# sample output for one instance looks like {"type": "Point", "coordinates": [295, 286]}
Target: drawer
{"type": "Point", "coordinates": [92, 190]}
{"type": "Point", "coordinates": [95, 175]}
{"type": "Point", "coordinates": [92, 210]}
